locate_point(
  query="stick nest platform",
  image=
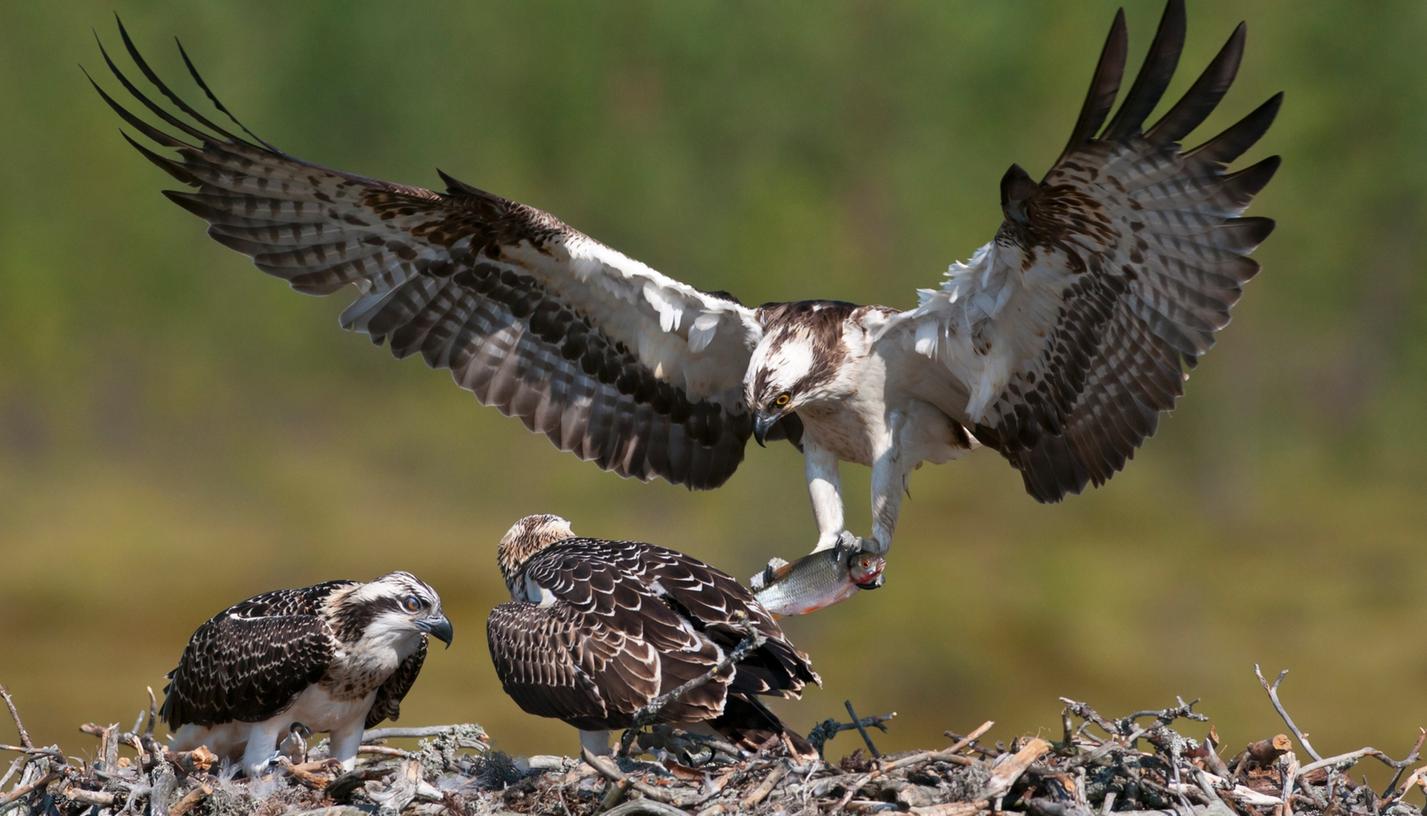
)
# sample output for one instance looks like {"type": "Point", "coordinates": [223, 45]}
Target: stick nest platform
{"type": "Point", "coordinates": [1135, 764]}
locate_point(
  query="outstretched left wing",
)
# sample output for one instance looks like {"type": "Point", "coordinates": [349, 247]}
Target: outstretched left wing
{"type": "Point", "coordinates": [1062, 340]}
{"type": "Point", "coordinates": [610, 359]}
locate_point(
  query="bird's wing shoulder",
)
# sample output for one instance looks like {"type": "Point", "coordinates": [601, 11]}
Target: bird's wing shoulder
{"type": "Point", "coordinates": [1063, 339]}
{"type": "Point", "coordinates": [607, 357]}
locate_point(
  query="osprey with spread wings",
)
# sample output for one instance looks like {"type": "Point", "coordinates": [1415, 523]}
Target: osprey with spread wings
{"type": "Point", "coordinates": [1058, 344]}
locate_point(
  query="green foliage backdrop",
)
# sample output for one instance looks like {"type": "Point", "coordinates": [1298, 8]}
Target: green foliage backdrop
{"type": "Point", "coordinates": [178, 431]}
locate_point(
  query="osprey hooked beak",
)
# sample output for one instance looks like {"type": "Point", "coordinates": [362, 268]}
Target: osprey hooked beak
{"type": "Point", "coordinates": [438, 627]}
{"type": "Point", "coordinates": [763, 422]}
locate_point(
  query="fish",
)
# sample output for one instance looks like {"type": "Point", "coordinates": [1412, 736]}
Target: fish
{"type": "Point", "coordinates": [818, 580]}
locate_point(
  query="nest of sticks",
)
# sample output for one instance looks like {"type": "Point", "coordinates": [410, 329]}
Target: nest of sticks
{"type": "Point", "coordinates": [1135, 764]}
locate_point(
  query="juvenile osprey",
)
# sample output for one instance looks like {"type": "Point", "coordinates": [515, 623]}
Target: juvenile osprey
{"type": "Point", "coordinates": [597, 629]}
{"type": "Point", "coordinates": [1058, 344]}
{"type": "Point", "coordinates": [338, 657]}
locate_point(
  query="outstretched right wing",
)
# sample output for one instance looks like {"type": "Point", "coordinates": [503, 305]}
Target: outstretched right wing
{"type": "Point", "coordinates": [611, 360]}
{"type": "Point", "coordinates": [1063, 339]}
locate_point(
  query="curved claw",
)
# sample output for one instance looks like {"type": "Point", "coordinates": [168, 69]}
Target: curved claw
{"type": "Point", "coordinates": [848, 542]}
{"type": "Point", "coordinates": [770, 573]}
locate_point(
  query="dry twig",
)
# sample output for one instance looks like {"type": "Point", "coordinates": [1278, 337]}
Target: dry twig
{"type": "Point", "coordinates": [15, 715]}
{"type": "Point", "coordinates": [766, 786]}
{"type": "Point", "coordinates": [820, 734]}
{"type": "Point", "coordinates": [608, 770]}
{"type": "Point", "coordinates": [1411, 758]}
{"type": "Point", "coordinates": [1272, 690]}
{"type": "Point", "coordinates": [861, 729]}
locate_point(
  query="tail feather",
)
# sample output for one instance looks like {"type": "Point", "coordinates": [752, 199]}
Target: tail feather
{"type": "Point", "coordinates": [749, 724]}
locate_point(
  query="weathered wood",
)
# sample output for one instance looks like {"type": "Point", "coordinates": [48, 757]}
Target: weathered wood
{"type": "Point", "coordinates": [1136, 765]}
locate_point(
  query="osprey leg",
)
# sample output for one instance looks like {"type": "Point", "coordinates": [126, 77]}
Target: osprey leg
{"type": "Point", "coordinates": [889, 482]}
{"type": "Point", "coordinates": [345, 742]}
{"type": "Point", "coordinates": [262, 746]}
{"type": "Point", "coordinates": [596, 742]}
{"type": "Point", "coordinates": [824, 488]}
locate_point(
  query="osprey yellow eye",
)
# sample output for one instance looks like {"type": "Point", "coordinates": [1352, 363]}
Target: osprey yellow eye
{"type": "Point", "coordinates": [411, 603]}
{"type": "Point", "coordinates": [783, 399]}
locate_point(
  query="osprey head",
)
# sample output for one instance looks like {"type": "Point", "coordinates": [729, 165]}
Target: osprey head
{"type": "Point", "coordinates": [527, 537]}
{"type": "Point", "coordinates": [397, 609]}
{"type": "Point", "coordinates": [796, 362]}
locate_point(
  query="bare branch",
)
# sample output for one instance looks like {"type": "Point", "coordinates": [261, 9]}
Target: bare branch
{"type": "Point", "coordinates": [820, 734]}
{"type": "Point", "coordinates": [25, 790]}
{"type": "Point", "coordinates": [1090, 715]}
{"type": "Point", "coordinates": [1272, 690]}
{"type": "Point", "coordinates": [857, 723]}
{"type": "Point", "coordinates": [766, 786]}
{"type": "Point", "coordinates": [153, 713]}
{"type": "Point", "coordinates": [1348, 760]}
{"type": "Point", "coordinates": [15, 715]}
{"type": "Point", "coordinates": [423, 732]}
{"type": "Point", "coordinates": [645, 806]}
{"type": "Point", "coordinates": [1410, 759]}
{"type": "Point", "coordinates": [1006, 774]}
{"type": "Point", "coordinates": [608, 770]}
{"type": "Point", "coordinates": [945, 754]}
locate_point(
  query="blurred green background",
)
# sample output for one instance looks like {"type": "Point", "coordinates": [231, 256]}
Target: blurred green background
{"type": "Point", "coordinates": [179, 431]}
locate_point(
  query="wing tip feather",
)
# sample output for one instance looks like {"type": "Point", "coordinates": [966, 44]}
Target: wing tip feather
{"type": "Point", "coordinates": [1154, 75]}
{"type": "Point", "coordinates": [1104, 84]}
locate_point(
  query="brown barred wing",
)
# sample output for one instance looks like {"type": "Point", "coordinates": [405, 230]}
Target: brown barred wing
{"type": "Point", "coordinates": [246, 669]}
{"type": "Point", "coordinates": [591, 672]}
{"type": "Point", "coordinates": [717, 604]}
{"type": "Point", "coordinates": [533, 651]}
{"type": "Point", "coordinates": [1068, 335]}
{"type": "Point", "coordinates": [251, 660]}
{"type": "Point", "coordinates": [611, 360]}
{"type": "Point", "coordinates": [624, 618]}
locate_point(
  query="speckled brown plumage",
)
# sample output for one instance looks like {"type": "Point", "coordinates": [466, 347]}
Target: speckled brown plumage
{"type": "Point", "coordinates": [1140, 244]}
{"type": "Point", "coordinates": [251, 660]}
{"type": "Point", "coordinates": [625, 621]}
{"type": "Point", "coordinates": [1155, 260]}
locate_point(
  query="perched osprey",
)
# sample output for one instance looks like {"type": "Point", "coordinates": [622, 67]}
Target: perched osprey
{"type": "Point", "coordinates": [338, 657]}
{"type": "Point", "coordinates": [1058, 344]}
{"type": "Point", "coordinates": [596, 629]}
